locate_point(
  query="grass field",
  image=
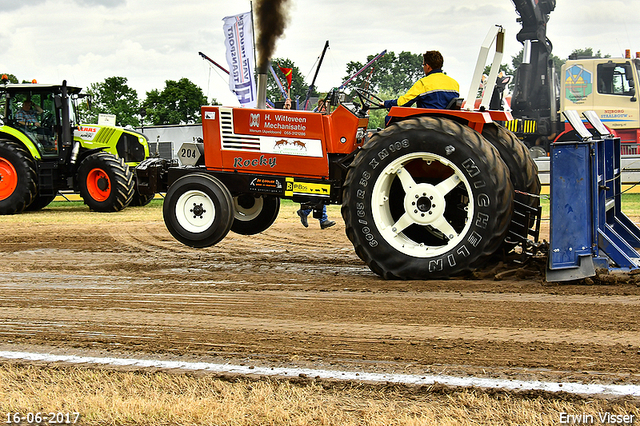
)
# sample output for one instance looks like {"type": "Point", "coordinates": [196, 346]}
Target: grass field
{"type": "Point", "coordinates": [105, 397]}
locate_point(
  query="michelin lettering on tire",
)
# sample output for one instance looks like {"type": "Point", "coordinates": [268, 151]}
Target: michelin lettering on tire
{"type": "Point", "coordinates": [422, 199]}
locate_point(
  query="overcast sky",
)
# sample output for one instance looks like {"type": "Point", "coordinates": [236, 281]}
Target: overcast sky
{"type": "Point", "coordinates": [150, 41]}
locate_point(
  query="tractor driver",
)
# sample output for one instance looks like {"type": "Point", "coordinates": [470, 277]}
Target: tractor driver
{"type": "Point", "coordinates": [435, 90]}
{"type": "Point", "coordinates": [27, 115]}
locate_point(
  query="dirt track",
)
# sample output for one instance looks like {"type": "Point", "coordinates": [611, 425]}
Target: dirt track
{"type": "Point", "coordinates": [295, 296]}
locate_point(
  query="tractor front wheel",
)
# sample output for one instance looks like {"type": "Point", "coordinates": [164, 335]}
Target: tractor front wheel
{"type": "Point", "coordinates": [426, 198]}
{"type": "Point", "coordinates": [106, 182]}
{"type": "Point", "coordinates": [17, 178]}
{"type": "Point", "coordinates": [198, 210]}
{"type": "Point", "coordinates": [253, 215]}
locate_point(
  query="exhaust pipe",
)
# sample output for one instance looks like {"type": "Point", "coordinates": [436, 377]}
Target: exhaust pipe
{"type": "Point", "coordinates": [271, 19]}
{"type": "Point", "coordinates": [262, 90]}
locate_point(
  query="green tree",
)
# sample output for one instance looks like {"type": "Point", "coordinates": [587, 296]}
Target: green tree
{"type": "Point", "coordinates": [587, 52]}
{"type": "Point", "coordinates": [299, 87]}
{"type": "Point", "coordinates": [113, 96]}
{"type": "Point", "coordinates": [376, 116]}
{"type": "Point", "coordinates": [503, 67]}
{"type": "Point", "coordinates": [390, 74]}
{"type": "Point", "coordinates": [178, 103]}
{"type": "Point", "coordinates": [516, 61]}
{"type": "Point", "coordinates": [11, 78]}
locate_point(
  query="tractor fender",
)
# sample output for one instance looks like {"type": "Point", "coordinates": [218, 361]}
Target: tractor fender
{"type": "Point", "coordinates": [84, 153]}
{"type": "Point", "coordinates": [23, 139]}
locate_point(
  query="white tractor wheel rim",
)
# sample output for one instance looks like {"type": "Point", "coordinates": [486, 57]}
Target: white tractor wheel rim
{"type": "Point", "coordinates": [246, 214]}
{"type": "Point", "coordinates": [195, 211]}
{"type": "Point", "coordinates": [424, 205]}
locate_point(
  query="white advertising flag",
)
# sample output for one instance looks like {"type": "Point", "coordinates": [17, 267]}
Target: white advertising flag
{"type": "Point", "coordinates": [238, 34]}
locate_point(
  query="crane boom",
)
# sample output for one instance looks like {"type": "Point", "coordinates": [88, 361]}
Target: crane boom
{"type": "Point", "coordinates": [534, 95]}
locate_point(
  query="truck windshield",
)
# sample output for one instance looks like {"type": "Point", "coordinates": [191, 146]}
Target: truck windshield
{"type": "Point", "coordinates": [616, 78]}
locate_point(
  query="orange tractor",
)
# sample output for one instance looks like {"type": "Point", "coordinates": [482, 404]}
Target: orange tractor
{"type": "Point", "coordinates": [429, 196]}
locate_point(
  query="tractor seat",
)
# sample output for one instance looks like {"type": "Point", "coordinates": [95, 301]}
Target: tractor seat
{"type": "Point", "coordinates": [455, 103]}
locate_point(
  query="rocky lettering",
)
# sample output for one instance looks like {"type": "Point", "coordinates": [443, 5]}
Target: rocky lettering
{"type": "Point", "coordinates": [239, 162]}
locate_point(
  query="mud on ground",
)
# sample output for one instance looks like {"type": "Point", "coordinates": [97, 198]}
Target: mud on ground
{"type": "Point", "coordinates": [300, 297]}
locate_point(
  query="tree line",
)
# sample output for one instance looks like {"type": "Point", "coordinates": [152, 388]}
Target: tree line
{"type": "Point", "coordinates": [179, 101]}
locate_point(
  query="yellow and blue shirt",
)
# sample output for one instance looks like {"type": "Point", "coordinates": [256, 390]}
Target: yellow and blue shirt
{"type": "Point", "coordinates": [435, 90]}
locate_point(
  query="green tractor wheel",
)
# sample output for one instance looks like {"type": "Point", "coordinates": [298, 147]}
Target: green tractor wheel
{"type": "Point", "coordinates": [17, 178]}
{"type": "Point", "coordinates": [106, 182]}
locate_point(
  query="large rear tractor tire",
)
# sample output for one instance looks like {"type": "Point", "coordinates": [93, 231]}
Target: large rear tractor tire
{"type": "Point", "coordinates": [426, 198]}
{"type": "Point", "coordinates": [198, 210]}
{"type": "Point", "coordinates": [106, 182]}
{"type": "Point", "coordinates": [17, 178]}
{"type": "Point", "coordinates": [253, 215]}
{"type": "Point", "coordinates": [522, 169]}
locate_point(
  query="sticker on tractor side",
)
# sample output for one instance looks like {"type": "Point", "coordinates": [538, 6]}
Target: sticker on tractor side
{"type": "Point", "coordinates": [87, 133]}
{"type": "Point", "coordinates": [267, 185]}
{"type": "Point", "coordinates": [291, 146]}
{"type": "Point", "coordinates": [307, 188]}
{"type": "Point", "coordinates": [209, 115]}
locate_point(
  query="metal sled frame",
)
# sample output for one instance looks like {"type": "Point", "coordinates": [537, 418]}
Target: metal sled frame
{"type": "Point", "coordinates": [589, 231]}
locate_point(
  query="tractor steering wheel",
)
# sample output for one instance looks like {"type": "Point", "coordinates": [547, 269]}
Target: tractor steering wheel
{"type": "Point", "coordinates": [368, 99]}
{"type": "Point", "coordinates": [47, 119]}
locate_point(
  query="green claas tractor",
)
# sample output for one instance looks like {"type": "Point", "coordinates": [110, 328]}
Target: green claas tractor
{"type": "Point", "coordinates": [44, 149]}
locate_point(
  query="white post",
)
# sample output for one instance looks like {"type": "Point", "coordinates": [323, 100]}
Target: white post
{"type": "Point", "coordinates": [496, 34]}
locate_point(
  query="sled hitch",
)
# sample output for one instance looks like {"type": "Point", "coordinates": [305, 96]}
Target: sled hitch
{"type": "Point", "coordinates": [589, 231]}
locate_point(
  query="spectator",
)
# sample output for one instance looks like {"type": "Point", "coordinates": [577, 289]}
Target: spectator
{"type": "Point", "coordinates": [324, 220]}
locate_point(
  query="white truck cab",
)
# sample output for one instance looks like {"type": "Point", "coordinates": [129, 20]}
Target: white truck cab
{"type": "Point", "coordinates": [607, 86]}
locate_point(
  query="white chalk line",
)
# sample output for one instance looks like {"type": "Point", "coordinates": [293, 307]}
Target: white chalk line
{"type": "Point", "coordinates": [488, 383]}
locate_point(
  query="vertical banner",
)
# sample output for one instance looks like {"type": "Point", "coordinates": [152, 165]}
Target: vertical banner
{"type": "Point", "coordinates": [238, 34]}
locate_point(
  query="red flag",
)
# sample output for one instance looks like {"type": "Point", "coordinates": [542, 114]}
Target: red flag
{"type": "Point", "coordinates": [288, 73]}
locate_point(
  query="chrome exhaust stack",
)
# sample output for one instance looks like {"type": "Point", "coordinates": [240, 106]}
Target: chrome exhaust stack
{"type": "Point", "coordinates": [262, 90]}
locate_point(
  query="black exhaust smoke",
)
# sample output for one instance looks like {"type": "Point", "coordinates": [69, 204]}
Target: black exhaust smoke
{"type": "Point", "coordinates": [271, 19]}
